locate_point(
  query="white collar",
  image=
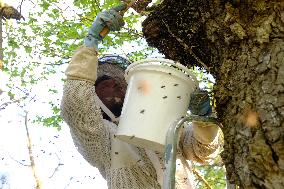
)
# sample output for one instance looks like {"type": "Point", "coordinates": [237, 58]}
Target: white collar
{"type": "Point", "coordinates": [106, 110]}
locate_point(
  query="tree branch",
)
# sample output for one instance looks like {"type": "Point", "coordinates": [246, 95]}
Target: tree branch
{"type": "Point", "coordinates": [20, 6]}
{"type": "Point", "coordinates": [5, 104]}
{"type": "Point", "coordinates": [11, 157]}
{"type": "Point", "coordinates": [38, 183]}
{"type": "Point", "coordinates": [48, 64]}
{"type": "Point", "coordinates": [1, 45]}
{"type": "Point", "coordinates": [57, 167]}
{"type": "Point", "coordinates": [201, 178]}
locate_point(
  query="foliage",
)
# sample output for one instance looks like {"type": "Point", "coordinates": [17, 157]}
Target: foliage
{"type": "Point", "coordinates": [40, 47]}
{"type": "Point", "coordinates": [213, 173]}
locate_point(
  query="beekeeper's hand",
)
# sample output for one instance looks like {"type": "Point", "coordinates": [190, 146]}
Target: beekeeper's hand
{"type": "Point", "coordinates": [200, 103]}
{"type": "Point", "coordinates": [110, 18]}
{"type": "Point", "coordinates": [204, 132]}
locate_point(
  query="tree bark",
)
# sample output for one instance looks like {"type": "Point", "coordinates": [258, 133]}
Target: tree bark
{"type": "Point", "coordinates": [241, 43]}
{"type": "Point", "coordinates": [9, 12]}
{"type": "Point", "coordinates": [1, 45]}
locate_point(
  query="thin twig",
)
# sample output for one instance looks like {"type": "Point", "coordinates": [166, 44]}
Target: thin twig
{"type": "Point", "coordinates": [57, 167]}
{"type": "Point", "coordinates": [20, 6]}
{"type": "Point", "coordinates": [32, 2]}
{"type": "Point", "coordinates": [189, 49]}
{"type": "Point", "coordinates": [28, 165]}
{"type": "Point", "coordinates": [67, 185]}
{"type": "Point", "coordinates": [48, 64]}
{"type": "Point", "coordinates": [1, 44]}
{"type": "Point", "coordinates": [62, 12]}
{"type": "Point", "coordinates": [190, 168]}
{"type": "Point", "coordinates": [5, 104]}
{"type": "Point", "coordinates": [38, 183]}
{"type": "Point", "coordinates": [201, 178]}
{"type": "Point", "coordinates": [25, 92]}
{"type": "Point", "coordinates": [11, 157]}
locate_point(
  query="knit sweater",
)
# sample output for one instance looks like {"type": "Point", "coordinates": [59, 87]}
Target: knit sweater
{"type": "Point", "coordinates": [123, 165]}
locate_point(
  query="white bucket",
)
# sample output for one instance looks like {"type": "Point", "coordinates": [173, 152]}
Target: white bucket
{"type": "Point", "coordinates": [158, 94]}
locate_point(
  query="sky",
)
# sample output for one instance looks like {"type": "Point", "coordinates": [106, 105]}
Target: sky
{"type": "Point", "coordinates": [50, 146]}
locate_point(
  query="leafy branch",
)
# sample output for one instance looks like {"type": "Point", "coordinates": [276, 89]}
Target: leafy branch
{"type": "Point", "coordinates": [12, 100]}
{"type": "Point", "coordinates": [201, 178]}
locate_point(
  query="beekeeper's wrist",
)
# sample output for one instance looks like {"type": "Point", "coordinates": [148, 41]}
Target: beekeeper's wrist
{"type": "Point", "coordinates": [205, 133]}
{"type": "Point", "coordinates": [91, 42]}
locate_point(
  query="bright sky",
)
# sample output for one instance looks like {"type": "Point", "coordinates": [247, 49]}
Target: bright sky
{"type": "Point", "coordinates": [50, 147]}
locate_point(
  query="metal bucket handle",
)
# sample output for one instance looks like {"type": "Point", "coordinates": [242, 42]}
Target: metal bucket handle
{"type": "Point", "coordinates": [171, 147]}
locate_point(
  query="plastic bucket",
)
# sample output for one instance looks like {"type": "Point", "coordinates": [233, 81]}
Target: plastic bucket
{"type": "Point", "coordinates": [158, 94]}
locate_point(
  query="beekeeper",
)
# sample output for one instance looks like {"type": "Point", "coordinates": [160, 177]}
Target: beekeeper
{"type": "Point", "coordinates": [92, 99]}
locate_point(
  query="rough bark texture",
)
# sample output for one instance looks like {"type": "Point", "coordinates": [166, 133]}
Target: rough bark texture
{"type": "Point", "coordinates": [9, 12]}
{"type": "Point", "coordinates": [241, 43]}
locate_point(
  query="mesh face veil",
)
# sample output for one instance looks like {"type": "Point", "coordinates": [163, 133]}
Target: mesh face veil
{"type": "Point", "coordinates": [113, 66]}
{"type": "Point", "coordinates": [114, 59]}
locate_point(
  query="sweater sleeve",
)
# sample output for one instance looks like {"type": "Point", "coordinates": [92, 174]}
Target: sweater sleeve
{"type": "Point", "coordinates": [80, 111]}
{"type": "Point", "coordinates": [198, 150]}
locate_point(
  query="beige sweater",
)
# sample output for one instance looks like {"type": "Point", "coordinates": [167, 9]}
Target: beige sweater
{"type": "Point", "coordinates": [121, 164]}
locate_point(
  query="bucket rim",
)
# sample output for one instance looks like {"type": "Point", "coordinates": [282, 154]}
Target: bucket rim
{"type": "Point", "coordinates": [173, 64]}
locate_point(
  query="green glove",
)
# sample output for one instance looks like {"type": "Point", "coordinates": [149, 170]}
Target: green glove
{"type": "Point", "coordinates": [200, 103]}
{"type": "Point", "coordinates": [110, 18]}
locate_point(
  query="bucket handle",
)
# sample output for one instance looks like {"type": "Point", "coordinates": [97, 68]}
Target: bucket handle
{"type": "Point", "coordinates": [161, 60]}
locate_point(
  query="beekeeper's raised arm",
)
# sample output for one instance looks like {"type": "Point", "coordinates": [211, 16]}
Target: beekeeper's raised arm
{"type": "Point", "coordinates": [87, 79]}
{"type": "Point", "coordinates": [200, 141]}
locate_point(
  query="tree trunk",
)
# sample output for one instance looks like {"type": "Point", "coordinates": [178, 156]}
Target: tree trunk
{"type": "Point", "coordinates": [1, 45]}
{"type": "Point", "coordinates": [241, 43]}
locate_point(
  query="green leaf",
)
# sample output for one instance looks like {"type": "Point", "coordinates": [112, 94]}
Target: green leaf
{"type": "Point", "coordinates": [54, 91]}
{"type": "Point", "coordinates": [11, 95]}
{"type": "Point", "coordinates": [45, 5]}
{"type": "Point", "coordinates": [28, 49]}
